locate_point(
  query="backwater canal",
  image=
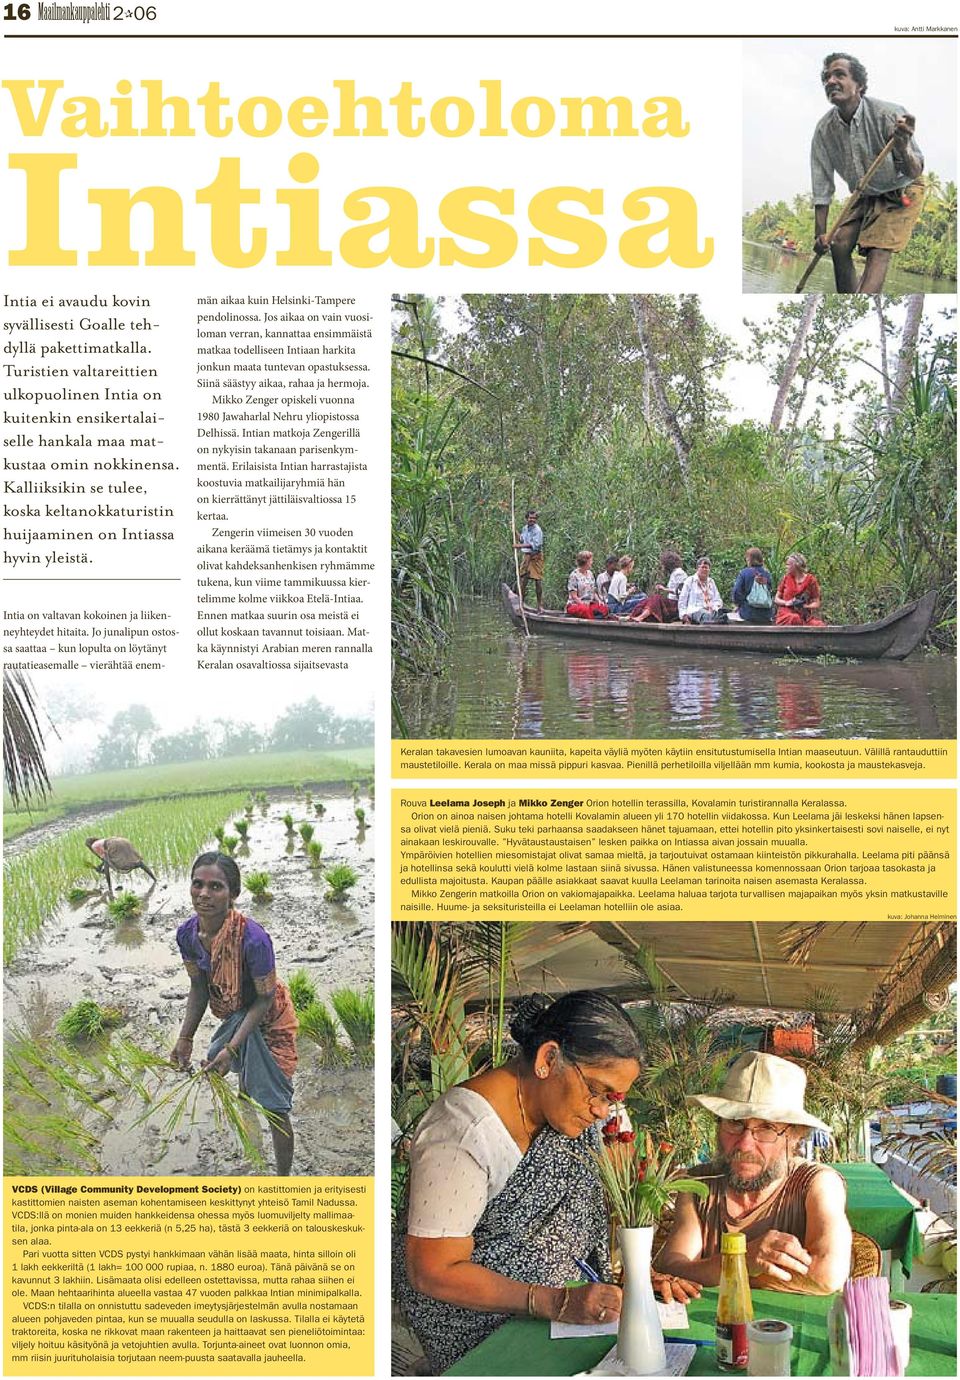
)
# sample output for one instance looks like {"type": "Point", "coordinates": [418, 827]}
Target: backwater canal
{"type": "Point", "coordinates": [767, 268]}
{"type": "Point", "coordinates": [498, 684]}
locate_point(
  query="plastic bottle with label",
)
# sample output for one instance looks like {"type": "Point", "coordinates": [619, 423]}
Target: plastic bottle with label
{"type": "Point", "coordinates": [734, 1305]}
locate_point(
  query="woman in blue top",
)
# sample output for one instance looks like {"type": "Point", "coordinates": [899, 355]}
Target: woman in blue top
{"type": "Point", "coordinates": [753, 591]}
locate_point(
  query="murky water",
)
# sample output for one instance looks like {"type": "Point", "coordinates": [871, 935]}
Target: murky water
{"type": "Point", "coordinates": [136, 967]}
{"type": "Point", "coordinates": [500, 685]}
{"type": "Point", "coordinates": [769, 269]}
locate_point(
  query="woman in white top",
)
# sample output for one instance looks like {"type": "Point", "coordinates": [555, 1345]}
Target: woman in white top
{"type": "Point", "coordinates": [504, 1196]}
{"type": "Point", "coordinates": [621, 596]}
{"type": "Point", "coordinates": [699, 598]}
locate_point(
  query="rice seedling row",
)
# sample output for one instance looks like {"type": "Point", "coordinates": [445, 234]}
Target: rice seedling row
{"type": "Point", "coordinates": [321, 769]}
{"type": "Point", "coordinates": [168, 834]}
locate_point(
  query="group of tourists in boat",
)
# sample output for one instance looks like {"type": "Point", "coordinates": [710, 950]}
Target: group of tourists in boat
{"type": "Point", "coordinates": [684, 598]}
{"type": "Point", "coordinates": [679, 598]}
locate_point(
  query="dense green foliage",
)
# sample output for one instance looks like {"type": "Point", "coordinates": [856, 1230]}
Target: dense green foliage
{"type": "Point", "coordinates": [932, 249]}
{"type": "Point", "coordinates": [563, 406]}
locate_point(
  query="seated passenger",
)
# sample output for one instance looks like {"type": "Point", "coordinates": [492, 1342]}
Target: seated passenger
{"type": "Point", "coordinates": [798, 595]}
{"type": "Point", "coordinates": [605, 576]}
{"type": "Point", "coordinates": [753, 591]}
{"type": "Point", "coordinates": [699, 600]}
{"type": "Point", "coordinates": [621, 597]}
{"type": "Point", "coordinates": [582, 599]}
{"type": "Point", "coordinates": [661, 605]}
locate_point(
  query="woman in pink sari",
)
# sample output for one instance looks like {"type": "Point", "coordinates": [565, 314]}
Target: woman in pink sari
{"type": "Point", "coordinates": [798, 595]}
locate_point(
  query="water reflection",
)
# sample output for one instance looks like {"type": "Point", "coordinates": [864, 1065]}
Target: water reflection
{"type": "Point", "coordinates": [767, 268]}
{"type": "Point", "coordinates": [499, 684]}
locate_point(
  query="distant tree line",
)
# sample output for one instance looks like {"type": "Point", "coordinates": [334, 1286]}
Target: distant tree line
{"type": "Point", "coordinates": [932, 249]}
{"type": "Point", "coordinates": [133, 737]}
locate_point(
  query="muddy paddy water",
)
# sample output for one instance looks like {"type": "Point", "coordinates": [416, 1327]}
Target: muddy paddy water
{"type": "Point", "coordinates": [135, 966]}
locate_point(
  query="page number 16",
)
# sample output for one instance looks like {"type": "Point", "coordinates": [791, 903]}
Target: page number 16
{"type": "Point", "coordinates": [20, 12]}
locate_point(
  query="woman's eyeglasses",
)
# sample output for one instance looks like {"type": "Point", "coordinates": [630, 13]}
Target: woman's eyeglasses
{"type": "Point", "coordinates": [764, 1134]}
{"type": "Point", "coordinates": [597, 1097]}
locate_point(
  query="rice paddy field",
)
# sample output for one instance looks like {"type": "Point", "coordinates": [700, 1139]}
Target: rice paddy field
{"type": "Point", "coordinates": [256, 771]}
{"type": "Point", "coordinates": [87, 1095]}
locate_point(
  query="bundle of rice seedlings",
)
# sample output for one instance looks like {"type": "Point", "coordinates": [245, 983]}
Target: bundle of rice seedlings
{"type": "Point", "coordinates": [305, 831]}
{"type": "Point", "coordinates": [356, 1013]}
{"type": "Point", "coordinates": [126, 906]}
{"type": "Point", "coordinates": [218, 833]}
{"type": "Point", "coordinates": [288, 821]}
{"type": "Point", "coordinates": [301, 988]}
{"type": "Point", "coordinates": [203, 1094]}
{"type": "Point", "coordinates": [317, 1024]}
{"type": "Point", "coordinates": [86, 1018]}
{"type": "Point", "coordinates": [229, 842]}
{"type": "Point", "coordinates": [314, 852]}
{"type": "Point", "coordinates": [76, 894]}
{"type": "Point", "coordinates": [319, 809]}
{"type": "Point", "coordinates": [340, 879]}
{"type": "Point", "coordinates": [360, 815]}
{"type": "Point", "coordinates": [258, 884]}
{"type": "Point", "coordinates": [242, 827]}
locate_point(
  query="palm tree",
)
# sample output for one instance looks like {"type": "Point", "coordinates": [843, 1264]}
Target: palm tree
{"type": "Point", "coordinates": [24, 768]}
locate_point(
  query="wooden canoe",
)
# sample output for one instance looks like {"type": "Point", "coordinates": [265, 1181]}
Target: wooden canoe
{"type": "Point", "coordinates": [891, 638]}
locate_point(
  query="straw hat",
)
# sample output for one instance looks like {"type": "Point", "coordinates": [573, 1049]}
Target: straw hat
{"type": "Point", "coordinates": [764, 1087]}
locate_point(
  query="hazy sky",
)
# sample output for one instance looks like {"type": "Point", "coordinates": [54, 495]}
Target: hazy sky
{"type": "Point", "coordinates": [254, 699]}
{"type": "Point", "coordinates": [783, 100]}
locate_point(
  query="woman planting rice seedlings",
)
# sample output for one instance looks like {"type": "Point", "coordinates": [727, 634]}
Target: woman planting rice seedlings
{"type": "Point", "coordinates": [230, 962]}
{"type": "Point", "coordinates": [175, 1123]}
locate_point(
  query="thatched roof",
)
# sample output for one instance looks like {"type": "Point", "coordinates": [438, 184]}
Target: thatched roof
{"type": "Point", "coordinates": [874, 972]}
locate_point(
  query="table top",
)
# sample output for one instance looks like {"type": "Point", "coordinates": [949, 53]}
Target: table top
{"type": "Point", "coordinates": [523, 1346]}
{"type": "Point", "coordinates": [876, 1207]}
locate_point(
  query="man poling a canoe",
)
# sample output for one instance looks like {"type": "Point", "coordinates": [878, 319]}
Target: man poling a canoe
{"type": "Point", "coordinates": [529, 543]}
{"type": "Point", "coordinates": [870, 143]}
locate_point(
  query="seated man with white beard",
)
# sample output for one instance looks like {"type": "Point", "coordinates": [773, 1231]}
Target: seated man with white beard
{"type": "Point", "coordinates": [791, 1211]}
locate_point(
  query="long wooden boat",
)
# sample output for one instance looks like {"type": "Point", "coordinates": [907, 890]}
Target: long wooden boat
{"type": "Point", "coordinates": [891, 638]}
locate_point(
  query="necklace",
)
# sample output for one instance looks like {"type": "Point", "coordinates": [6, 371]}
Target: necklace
{"type": "Point", "coordinates": [523, 1113]}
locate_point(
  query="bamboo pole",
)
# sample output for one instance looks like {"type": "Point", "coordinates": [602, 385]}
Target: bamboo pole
{"type": "Point", "coordinates": [516, 558]}
{"type": "Point", "coordinates": [849, 206]}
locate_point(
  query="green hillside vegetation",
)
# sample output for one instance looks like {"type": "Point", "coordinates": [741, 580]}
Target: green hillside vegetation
{"type": "Point", "coordinates": [932, 250]}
